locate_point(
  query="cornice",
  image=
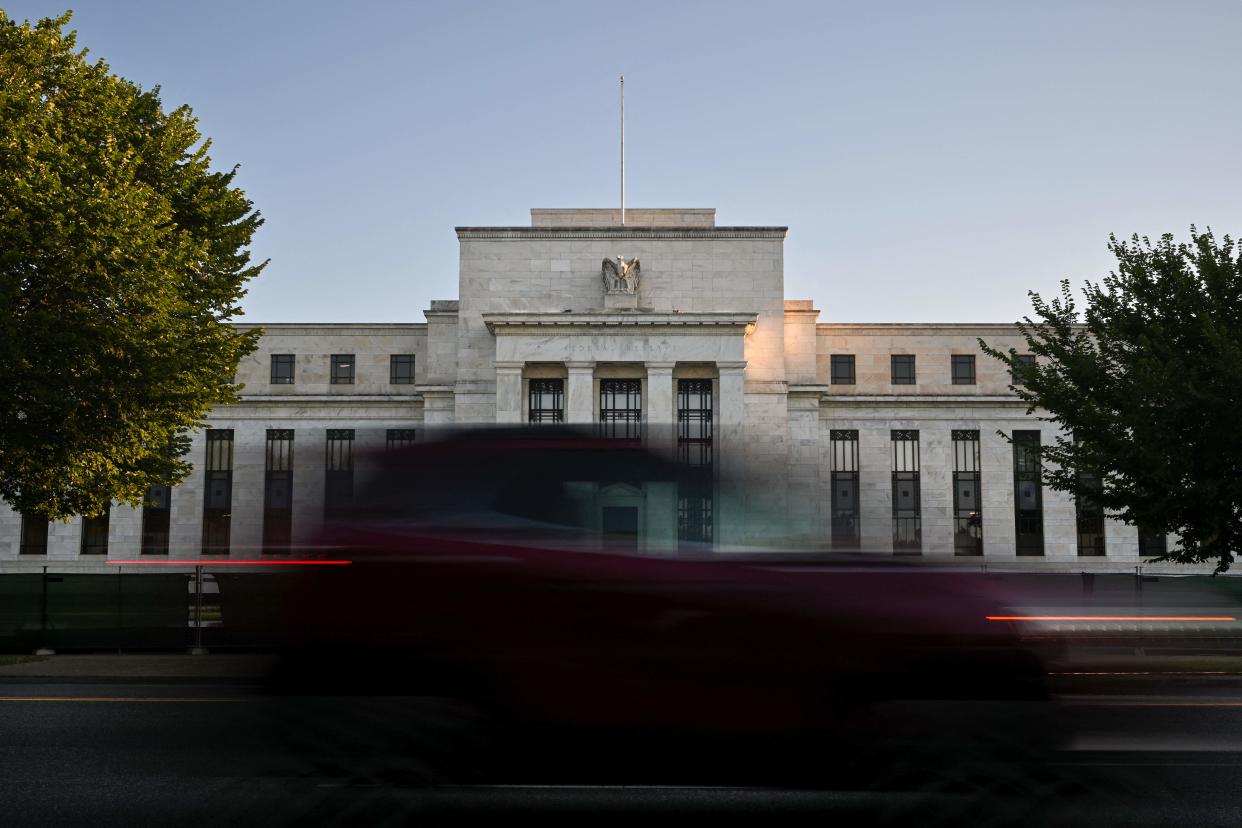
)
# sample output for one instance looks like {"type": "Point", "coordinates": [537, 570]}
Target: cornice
{"type": "Point", "coordinates": [1007, 400]}
{"type": "Point", "coordinates": [334, 328]}
{"type": "Point", "coordinates": [525, 233]}
{"type": "Point", "coordinates": [526, 323]}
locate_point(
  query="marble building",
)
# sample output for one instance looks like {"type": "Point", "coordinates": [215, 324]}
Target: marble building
{"type": "Point", "coordinates": [876, 437]}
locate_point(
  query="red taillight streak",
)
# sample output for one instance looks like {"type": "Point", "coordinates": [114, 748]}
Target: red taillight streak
{"type": "Point", "coordinates": [211, 562]}
{"type": "Point", "coordinates": [1110, 618]}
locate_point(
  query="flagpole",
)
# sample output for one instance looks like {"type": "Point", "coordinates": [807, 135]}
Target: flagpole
{"type": "Point", "coordinates": [623, 150]}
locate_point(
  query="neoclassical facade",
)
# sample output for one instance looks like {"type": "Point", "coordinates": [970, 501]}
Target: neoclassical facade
{"type": "Point", "coordinates": [876, 437]}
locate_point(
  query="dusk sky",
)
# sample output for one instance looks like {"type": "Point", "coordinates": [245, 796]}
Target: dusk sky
{"type": "Point", "coordinates": [933, 161]}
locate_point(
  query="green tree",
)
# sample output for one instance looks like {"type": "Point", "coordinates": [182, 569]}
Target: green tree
{"type": "Point", "coordinates": [1146, 383]}
{"type": "Point", "coordinates": [122, 258]}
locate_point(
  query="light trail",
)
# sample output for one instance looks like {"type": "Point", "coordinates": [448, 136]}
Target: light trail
{"type": "Point", "coordinates": [1132, 618]}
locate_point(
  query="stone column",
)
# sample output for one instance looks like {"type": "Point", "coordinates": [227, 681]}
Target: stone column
{"type": "Point", "coordinates": [732, 413]}
{"type": "Point", "coordinates": [735, 489]}
{"type": "Point", "coordinates": [578, 394]}
{"type": "Point", "coordinates": [509, 392]}
{"type": "Point", "coordinates": [875, 484]}
{"type": "Point", "coordinates": [936, 483]}
{"type": "Point", "coordinates": [661, 406]}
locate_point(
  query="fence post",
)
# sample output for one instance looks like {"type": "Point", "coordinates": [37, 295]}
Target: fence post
{"type": "Point", "coordinates": [198, 648]}
{"type": "Point", "coordinates": [43, 620]}
{"type": "Point", "coordinates": [120, 632]}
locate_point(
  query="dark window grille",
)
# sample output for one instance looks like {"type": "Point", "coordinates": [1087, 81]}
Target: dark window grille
{"type": "Point", "coordinates": [156, 520]}
{"type": "Point", "coordinates": [339, 481]}
{"type": "Point", "coordinates": [963, 367]}
{"type": "Point", "coordinates": [695, 494]}
{"type": "Point", "coordinates": [218, 498]}
{"type": "Point", "coordinates": [967, 497]}
{"type": "Point", "coordinates": [695, 507]}
{"type": "Point", "coordinates": [1152, 543]}
{"type": "Point", "coordinates": [846, 525]}
{"type": "Point", "coordinates": [843, 369]}
{"type": "Point", "coordinates": [547, 401]}
{"type": "Point", "coordinates": [902, 366]}
{"type": "Point", "coordinates": [34, 534]}
{"type": "Point", "coordinates": [342, 369]}
{"type": "Point", "coordinates": [1089, 516]}
{"type": "Point", "coordinates": [621, 408]}
{"type": "Point", "coordinates": [278, 492]}
{"type": "Point", "coordinates": [399, 438]}
{"type": "Point", "coordinates": [907, 513]}
{"type": "Point", "coordinates": [282, 369]}
{"type": "Point", "coordinates": [95, 534]}
{"type": "Point", "coordinates": [1016, 374]}
{"type": "Point", "coordinates": [1028, 494]}
{"type": "Point", "coordinates": [694, 421]}
{"type": "Point", "coordinates": [401, 369]}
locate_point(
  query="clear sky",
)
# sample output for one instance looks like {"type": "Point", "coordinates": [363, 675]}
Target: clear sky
{"type": "Point", "coordinates": [933, 161]}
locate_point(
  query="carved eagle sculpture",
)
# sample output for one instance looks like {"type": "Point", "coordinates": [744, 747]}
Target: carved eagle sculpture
{"type": "Point", "coordinates": [620, 276]}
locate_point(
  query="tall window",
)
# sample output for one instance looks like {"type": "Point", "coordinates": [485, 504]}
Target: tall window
{"type": "Point", "coordinates": [621, 408]}
{"type": "Point", "coordinates": [278, 491]}
{"type": "Point", "coordinates": [1028, 501]}
{"type": "Point", "coordinates": [156, 514]}
{"type": "Point", "coordinates": [694, 421]}
{"type": "Point", "coordinates": [401, 369]}
{"type": "Point", "coordinates": [695, 492]}
{"type": "Point", "coordinates": [339, 482]}
{"type": "Point", "coordinates": [282, 369]}
{"type": "Point", "coordinates": [34, 535]}
{"type": "Point", "coordinates": [1152, 543]}
{"type": "Point", "coordinates": [1016, 375]}
{"type": "Point", "coordinates": [846, 526]}
{"type": "Point", "coordinates": [967, 499]}
{"type": "Point", "coordinates": [547, 401]}
{"type": "Point", "coordinates": [902, 366]}
{"type": "Point", "coordinates": [1089, 516]}
{"type": "Point", "coordinates": [907, 515]}
{"type": "Point", "coordinates": [963, 367]}
{"type": "Point", "coordinates": [842, 369]}
{"type": "Point", "coordinates": [95, 533]}
{"type": "Point", "coordinates": [218, 504]}
{"type": "Point", "coordinates": [342, 369]}
{"type": "Point", "coordinates": [399, 438]}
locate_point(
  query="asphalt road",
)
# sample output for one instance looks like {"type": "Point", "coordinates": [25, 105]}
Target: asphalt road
{"type": "Point", "coordinates": [134, 753]}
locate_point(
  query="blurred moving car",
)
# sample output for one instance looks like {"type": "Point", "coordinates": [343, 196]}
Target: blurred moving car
{"type": "Point", "coordinates": [486, 571]}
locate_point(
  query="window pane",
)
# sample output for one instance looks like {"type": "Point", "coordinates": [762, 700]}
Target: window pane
{"type": "Point", "coordinates": [621, 408]}
{"type": "Point", "coordinates": [399, 438]}
{"type": "Point", "coordinates": [282, 369]}
{"type": "Point", "coordinates": [902, 369]}
{"type": "Point", "coordinates": [843, 449]}
{"type": "Point", "coordinates": [342, 371]}
{"type": "Point", "coordinates": [694, 421]}
{"type": "Point", "coordinates": [34, 534]}
{"type": "Point", "coordinates": [547, 400]}
{"type": "Point", "coordinates": [907, 508]}
{"type": "Point", "coordinates": [401, 369]}
{"type": "Point", "coordinates": [95, 534]}
{"type": "Point", "coordinates": [218, 496]}
{"type": "Point", "coordinates": [339, 479]}
{"type": "Point", "coordinates": [967, 497]}
{"type": "Point", "coordinates": [963, 369]}
{"type": "Point", "coordinates": [1028, 494]}
{"type": "Point", "coordinates": [1024, 360]}
{"type": "Point", "coordinates": [843, 369]}
{"type": "Point", "coordinates": [155, 520]}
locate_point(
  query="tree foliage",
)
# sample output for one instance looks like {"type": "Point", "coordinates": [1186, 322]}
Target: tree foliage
{"type": "Point", "coordinates": [122, 258]}
{"type": "Point", "coordinates": [1146, 383]}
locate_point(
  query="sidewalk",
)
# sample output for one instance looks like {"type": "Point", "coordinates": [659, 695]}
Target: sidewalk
{"type": "Point", "coordinates": [229, 666]}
